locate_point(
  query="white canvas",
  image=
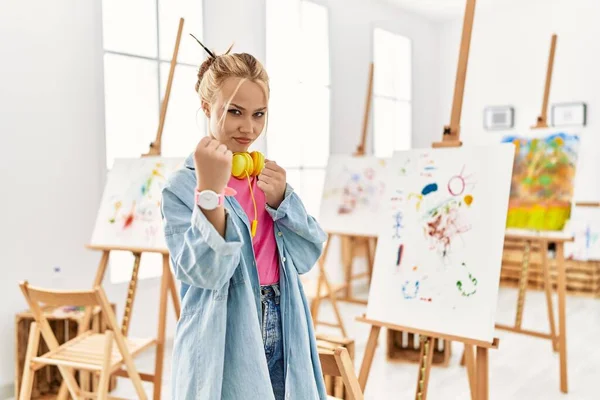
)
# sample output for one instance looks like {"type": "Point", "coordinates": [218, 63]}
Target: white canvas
{"type": "Point", "coordinates": [352, 195]}
{"type": "Point", "coordinates": [446, 210]}
{"type": "Point", "coordinates": [584, 225]}
{"type": "Point", "coordinates": [129, 214]}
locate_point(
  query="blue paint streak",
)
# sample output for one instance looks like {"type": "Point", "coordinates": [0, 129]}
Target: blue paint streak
{"type": "Point", "coordinates": [432, 187]}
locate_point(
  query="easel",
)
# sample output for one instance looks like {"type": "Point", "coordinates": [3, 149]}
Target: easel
{"type": "Point", "coordinates": [167, 279]}
{"type": "Point", "coordinates": [542, 120]}
{"type": "Point", "coordinates": [541, 241]}
{"type": "Point", "coordinates": [477, 369]}
{"type": "Point", "coordinates": [477, 365]}
{"type": "Point", "coordinates": [559, 340]}
{"type": "Point", "coordinates": [349, 244]}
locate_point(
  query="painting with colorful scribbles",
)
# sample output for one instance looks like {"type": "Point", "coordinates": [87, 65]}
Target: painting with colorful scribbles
{"type": "Point", "coordinates": [543, 180]}
{"type": "Point", "coordinates": [584, 225]}
{"type": "Point", "coordinates": [352, 194]}
{"type": "Point", "coordinates": [129, 214]}
{"type": "Point", "coordinates": [441, 235]}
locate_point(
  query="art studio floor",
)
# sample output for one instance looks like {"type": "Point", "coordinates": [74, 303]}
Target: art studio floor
{"type": "Point", "coordinates": [523, 368]}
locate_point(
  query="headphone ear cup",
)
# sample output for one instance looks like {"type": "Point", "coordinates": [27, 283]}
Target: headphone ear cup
{"type": "Point", "coordinates": [240, 164]}
{"type": "Point", "coordinates": [259, 162]}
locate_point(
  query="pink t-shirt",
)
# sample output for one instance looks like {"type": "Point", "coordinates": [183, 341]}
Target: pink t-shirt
{"type": "Point", "coordinates": [265, 247]}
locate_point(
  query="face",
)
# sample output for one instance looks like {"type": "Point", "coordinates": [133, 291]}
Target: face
{"type": "Point", "coordinates": [240, 124]}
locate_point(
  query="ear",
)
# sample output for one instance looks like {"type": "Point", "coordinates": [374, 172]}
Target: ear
{"type": "Point", "coordinates": [206, 108]}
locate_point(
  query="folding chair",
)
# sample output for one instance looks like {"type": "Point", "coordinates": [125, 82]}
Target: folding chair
{"type": "Point", "coordinates": [88, 351]}
{"type": "Point", "coordinates": [337, 362]}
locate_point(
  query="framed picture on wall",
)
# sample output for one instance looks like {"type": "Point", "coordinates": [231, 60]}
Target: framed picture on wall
{"type": "Point", "coordinates": [569, 114]}
{"type": "Point", "coordinates": [498, 117]}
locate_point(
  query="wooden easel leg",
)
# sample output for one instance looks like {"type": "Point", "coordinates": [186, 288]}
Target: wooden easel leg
{"type": "Point", "coordinates": [365, 367]}
{"type": "Point", "coordinates": [562, 317]}
{"type": "Point", "coordinates": [371, 246]}
{"type": "Point", "coordinates": [548, 290]}
{"type": "Point", "coordinates": [316, 302]}
{"type": "Point", "coordinates": [332, 298]}
{"type": "Point", "coordinates": [100, 272]}
{"type": "Point", "coordinates": [481, 365]}
{"type": "Point", "coordinates": [101, 268]}
{"type": "Point", "coordinates": [523, 284]}
{"type": "Point", "coordinates": [131, 293]}
{"type": "Point", "coordinates": [424, 367]}
{"type": "Point", "coordinates": [469, 356]}
{"type": "Point", "coordinates": [160, 341]}
{"type": "Point", "coordinates": [348, 245]}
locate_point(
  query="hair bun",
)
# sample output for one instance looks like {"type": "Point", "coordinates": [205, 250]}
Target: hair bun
{"type": "Point", "coordinates": [202, 70]}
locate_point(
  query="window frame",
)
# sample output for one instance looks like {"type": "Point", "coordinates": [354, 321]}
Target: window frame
{"type": "Point", "coordinates": [374, 96]}
{"type": "Point", "coordinates": [119, 273]}
{"type": "Point", "coordinates": [302, 168]}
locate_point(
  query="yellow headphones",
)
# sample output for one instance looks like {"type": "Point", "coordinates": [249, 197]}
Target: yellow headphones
{"type": "Point", "coordinates": [245, 165]}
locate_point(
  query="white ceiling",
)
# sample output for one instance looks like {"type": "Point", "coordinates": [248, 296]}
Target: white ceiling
{"type": "Point", "coordinates": [433, 9]}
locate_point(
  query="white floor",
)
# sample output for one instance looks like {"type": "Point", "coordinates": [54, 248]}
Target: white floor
{"type": "Point", "coordinates": [523, 368]}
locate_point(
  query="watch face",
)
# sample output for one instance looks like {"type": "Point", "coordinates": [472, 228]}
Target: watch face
{"type": "Point", "coordinates": [208, 200]}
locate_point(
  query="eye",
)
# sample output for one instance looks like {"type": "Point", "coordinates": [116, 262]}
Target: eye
{"type": "Point", "coordinates": [259, 114]}
{"type": "Point", "coordinates": [234, 111]}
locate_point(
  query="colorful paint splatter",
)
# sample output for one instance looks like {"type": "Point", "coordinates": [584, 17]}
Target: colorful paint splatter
{"type": "Point", "coordinates": [129, 214]}
{"type": "Point", "coordinates": [144, 205]}
{"type": "Point", "coordinates": [444, 217]}
{"type": "Point", "coordinates": [542, 180]}
{"type": "Point", "coordinates": [440, 240]}
{"type": "Point", "coordinates": [362, 189]}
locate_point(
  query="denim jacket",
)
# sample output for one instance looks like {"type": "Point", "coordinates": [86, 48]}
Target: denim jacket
{"type": "Point", "coordinates": [218, 350]}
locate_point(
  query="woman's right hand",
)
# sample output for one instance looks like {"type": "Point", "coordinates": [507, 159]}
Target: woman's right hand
{"type": "Point", "coordinates": [213, 164]}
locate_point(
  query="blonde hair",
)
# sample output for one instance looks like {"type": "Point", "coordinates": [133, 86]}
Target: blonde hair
{"type": "Point", "coordinates": [215, 70]}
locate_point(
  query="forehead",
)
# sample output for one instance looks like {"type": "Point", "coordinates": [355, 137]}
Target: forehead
{"type": "Point", "coordinates": [249, 95]}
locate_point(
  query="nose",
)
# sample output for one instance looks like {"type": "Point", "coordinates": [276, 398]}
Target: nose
{"type": "Point", "coordinates": [247, 126]}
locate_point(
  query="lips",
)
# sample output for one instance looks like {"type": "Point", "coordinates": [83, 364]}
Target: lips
{"type": "Point", "coordinates": [242, 140]}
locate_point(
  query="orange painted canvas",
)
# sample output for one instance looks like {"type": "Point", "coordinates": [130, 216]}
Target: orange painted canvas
{"type": "Point", "coordinates": [542, 181]}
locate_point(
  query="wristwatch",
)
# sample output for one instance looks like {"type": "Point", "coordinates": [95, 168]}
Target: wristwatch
{"type": "Point", "coordinates": [209, 199]}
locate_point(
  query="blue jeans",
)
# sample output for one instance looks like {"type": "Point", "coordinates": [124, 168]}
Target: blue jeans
{"type": "Point", "coordinates": [273, 337]}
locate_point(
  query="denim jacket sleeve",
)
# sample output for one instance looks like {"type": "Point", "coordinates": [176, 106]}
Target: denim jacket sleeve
{"type": "Point", "coordinates": [201, 256]}
{"type": "Point", "coordinates": [292, 219]}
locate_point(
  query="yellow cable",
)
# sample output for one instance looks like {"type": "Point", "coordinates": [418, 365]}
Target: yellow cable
{"type": "Point", "coordinates": [255, 221]}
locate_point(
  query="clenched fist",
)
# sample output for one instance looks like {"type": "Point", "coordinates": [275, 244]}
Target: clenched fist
{"type": "Point", "coordinates": [272, 182]}
{"type": "Point", "coordinates": [213, 164]}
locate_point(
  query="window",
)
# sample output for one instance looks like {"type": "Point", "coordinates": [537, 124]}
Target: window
{"type": "Point", "coordinates": [298, 67]}
{"type": "Point", "coordinates": [139, 39]}
{"type": "Point", "coordinates": [392, 93]}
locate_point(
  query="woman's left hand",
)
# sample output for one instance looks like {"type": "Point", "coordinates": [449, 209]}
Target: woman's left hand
{"type": "Point", "coordinates": [272, 181]}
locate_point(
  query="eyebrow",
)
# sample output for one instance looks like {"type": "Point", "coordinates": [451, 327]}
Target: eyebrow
{"type": "Point", "coordinates": [243, 109]}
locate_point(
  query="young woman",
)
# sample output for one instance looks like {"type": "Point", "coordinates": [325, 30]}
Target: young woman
{"type": "Point", "coordinates": [238, 246]}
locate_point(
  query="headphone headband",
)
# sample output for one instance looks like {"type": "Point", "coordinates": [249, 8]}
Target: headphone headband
{"type": "Point", "coordinates": [247, 164]}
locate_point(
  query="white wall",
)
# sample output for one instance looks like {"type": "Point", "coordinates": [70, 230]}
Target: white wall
{"type": "Point", "coordinates": [51, 106]}
{"type": "Point", "coordinates": [509, 56]}
{"type": "Point", "coordinates": [52, 159]}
